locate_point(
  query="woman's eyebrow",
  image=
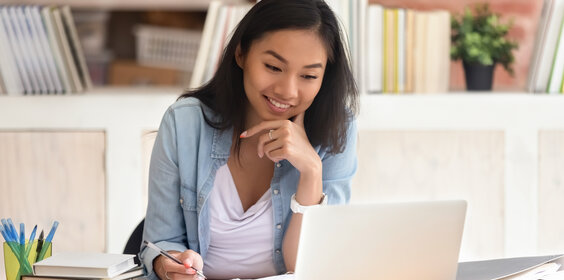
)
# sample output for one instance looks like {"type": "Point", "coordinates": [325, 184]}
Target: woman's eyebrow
{"type": "Point", "coordinates": [283, 60]}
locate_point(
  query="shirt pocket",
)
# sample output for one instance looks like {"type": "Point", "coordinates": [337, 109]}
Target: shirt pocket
{"type": "Point", "coordinates": [189, 203]}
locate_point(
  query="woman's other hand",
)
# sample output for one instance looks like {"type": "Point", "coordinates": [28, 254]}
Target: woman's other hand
{"type": "Point", "coordinates": [285, 139]}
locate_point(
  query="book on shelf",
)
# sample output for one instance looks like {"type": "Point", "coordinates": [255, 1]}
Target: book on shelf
{"type": "Point", "coordinates": [374, 55]}
{"type": "Point", "coordinates": [55, 44]}
{"type": "Point", "coordinates": [40, 52]}
{"type": "Point", "coordinates": [221, 20]}
{"type": "Point", "coordinates": [84, 265]}
{"type": "Point", "coordinates": [545, 74]}
{"type": "Point", "coordinates": [555, 79]}
{"type": "Point", "coordinates": [75, 47]}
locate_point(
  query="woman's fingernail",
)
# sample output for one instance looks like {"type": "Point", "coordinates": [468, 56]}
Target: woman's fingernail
{"type": "Point", "coordinates": [243, 135]}
{"type": "Point", "coordinates": [190, 271]}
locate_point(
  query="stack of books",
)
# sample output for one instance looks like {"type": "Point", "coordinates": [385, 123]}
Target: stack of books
{"type": "Point", "coordinates": [396, 50]}
{"type": "Point", "coordinates": [86, 266]}
{"type": "Point", "coordinates": [547, 64]}
{"type": "Point", "coordinates": [40, 52]}
{"type": "Point", "coordinates": [407, 50]}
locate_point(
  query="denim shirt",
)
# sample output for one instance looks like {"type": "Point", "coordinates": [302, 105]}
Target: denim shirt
{"type": "Point", "coordinates": [184, 161]}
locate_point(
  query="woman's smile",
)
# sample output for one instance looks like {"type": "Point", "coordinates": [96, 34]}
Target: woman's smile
{"type": "Point", "coordinates": [275, 106]}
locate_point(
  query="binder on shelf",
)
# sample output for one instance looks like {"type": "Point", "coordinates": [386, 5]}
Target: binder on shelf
{"type": "Point", "coordinates": [75, 47]}
{"type": "Point", "coordinates": [56, 49]}
{"type": "Point", "coordinates": [66, 49]}
{"type": "Point", "coordinates": [28, 54]}
{"type": "Point", "coordinates": [9, 74]}
{"type": "Point", "coordinates": [16, 51]}
{"type": "Point", "coordinates": [43, 48]}
{"type": "Point", "coordinates": [34, 47]}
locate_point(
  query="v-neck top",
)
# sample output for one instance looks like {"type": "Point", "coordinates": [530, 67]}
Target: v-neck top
{"type": "Point", "coordinates": [241, 242]}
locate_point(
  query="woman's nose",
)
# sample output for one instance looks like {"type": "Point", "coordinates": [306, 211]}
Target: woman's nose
{"type": "Point", "coordinates": [287, 87]}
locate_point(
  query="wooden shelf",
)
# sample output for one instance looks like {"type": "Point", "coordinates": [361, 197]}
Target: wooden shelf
{"type": "Point", "coordinates": [195, 5]}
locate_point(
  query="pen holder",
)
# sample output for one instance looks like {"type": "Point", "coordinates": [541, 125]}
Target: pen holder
{"type": "Point", "coordinates": [12, 265]}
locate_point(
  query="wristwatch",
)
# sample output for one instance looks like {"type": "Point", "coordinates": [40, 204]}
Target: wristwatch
{"type": "Point", "coordinates": [298, 208]}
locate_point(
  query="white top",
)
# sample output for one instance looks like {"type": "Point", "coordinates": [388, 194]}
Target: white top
{"type": "Point", "coordinates": [241, 243]}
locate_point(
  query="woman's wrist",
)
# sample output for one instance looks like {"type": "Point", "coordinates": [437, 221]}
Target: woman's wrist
{"type": "Point", "coordinates": [310, 187]}
{"type": "Point", "coordinates": [158, 266]}
{"type": "Point", "coordinates": [312, 170]}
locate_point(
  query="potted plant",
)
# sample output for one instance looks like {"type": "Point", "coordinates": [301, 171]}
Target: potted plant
{"type": "Point", "coordinates": [479, 39]}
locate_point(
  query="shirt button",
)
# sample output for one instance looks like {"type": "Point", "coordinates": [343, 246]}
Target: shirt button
{"type": "Point", "coordinates": [278, 164]}
{"type": "Point", "coordinates": [275, 191]}
{"type": "Point", "coordinates": [277, 251]}
{"type": "Point", "coordinates": [181, 200]}
{"type": "Point", "coordinates": [278, 226]}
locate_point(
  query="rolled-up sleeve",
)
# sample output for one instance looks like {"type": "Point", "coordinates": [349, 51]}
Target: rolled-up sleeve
{"type": "Point", "coordinates": [164, 222]}
{"type": "Point", "coordinates": [339, 169]}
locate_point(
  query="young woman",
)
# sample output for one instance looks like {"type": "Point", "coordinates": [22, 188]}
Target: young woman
{"type": "Point", "coordinates": [237, 161]}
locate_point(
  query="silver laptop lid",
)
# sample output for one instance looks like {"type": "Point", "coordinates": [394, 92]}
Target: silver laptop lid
{"type": "Point", "coordinates": [400, 241]}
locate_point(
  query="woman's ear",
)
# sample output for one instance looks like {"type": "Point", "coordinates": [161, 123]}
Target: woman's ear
{"type": "Point", "coordinates": [239, 56]}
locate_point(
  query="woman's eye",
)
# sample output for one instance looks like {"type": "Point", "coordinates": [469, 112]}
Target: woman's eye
{"type": "Point", "coordinates": [309, 77]}
{"type": "Point", "coordinates": [273, 68]}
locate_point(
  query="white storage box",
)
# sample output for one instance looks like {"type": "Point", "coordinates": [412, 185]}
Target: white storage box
{"type": "Point", "coordinates": [167, 47]}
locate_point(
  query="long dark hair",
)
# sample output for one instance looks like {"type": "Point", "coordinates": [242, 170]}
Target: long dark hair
{"type": "Point", "coordinates": [336, 103]}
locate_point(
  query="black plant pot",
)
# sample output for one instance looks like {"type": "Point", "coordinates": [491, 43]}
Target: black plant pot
{"type": "Point", "coordinates": [478, 76]}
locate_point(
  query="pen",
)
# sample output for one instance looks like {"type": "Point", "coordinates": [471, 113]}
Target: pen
{"type": "Point", "coordinates": [39, 245]}
{"type": "Point", "coordinates": [47, 241]}
{"type": "Point", "coordinates": [166, 254]}
{"type": "Point", "coordinates": [22, 238]}
{"type": "Point", "coordinates": [31, 239]}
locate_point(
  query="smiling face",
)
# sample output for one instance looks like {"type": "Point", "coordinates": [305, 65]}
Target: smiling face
{"type": "Point", "coordinates": [282, 74]}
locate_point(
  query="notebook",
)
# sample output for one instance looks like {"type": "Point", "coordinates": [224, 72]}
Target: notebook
{"type": "Point", "coordinates": [400, 241]}
{"type": "Point", "coordinates": [84, 265]}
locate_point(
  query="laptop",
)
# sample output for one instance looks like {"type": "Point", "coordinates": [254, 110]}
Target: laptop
{"type": "Point", "coordinates": [400, 241]}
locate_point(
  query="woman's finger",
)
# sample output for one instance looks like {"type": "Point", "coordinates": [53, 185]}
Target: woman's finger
{"type": "Point", "coordinates": [192, 259]}
{"type": "Point", "coordinates": [180, 276]}
{"type": "Point", "coordinates": [265, 138]}
{"type": "Point", "coordinates": [271, 147]}
{"type": "Point", "coordinates": [172, 267]}
{"type": "Point", "coordinates": [267, 125]}
{"type": "Point", "coordinates": [277, 155]}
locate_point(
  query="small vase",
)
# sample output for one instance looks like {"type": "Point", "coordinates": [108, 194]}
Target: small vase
{"type": "Point", "coordinates": [478, 77]}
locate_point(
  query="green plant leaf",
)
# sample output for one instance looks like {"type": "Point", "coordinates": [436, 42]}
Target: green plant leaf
{"type": "Point", "coordinates": [478, 36]}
